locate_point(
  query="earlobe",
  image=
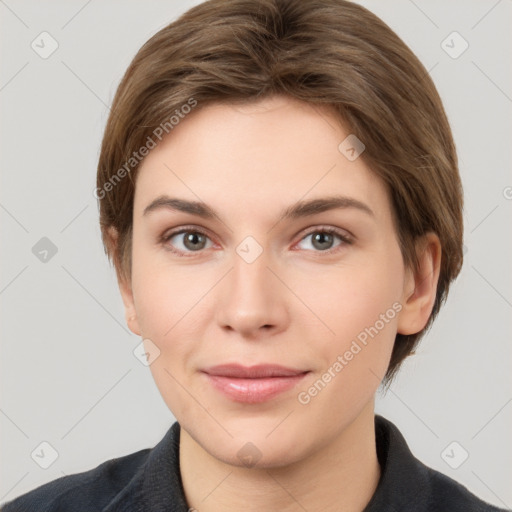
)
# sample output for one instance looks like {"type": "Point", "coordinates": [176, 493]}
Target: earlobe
{"type": "Point", "coordinates": [133, 325]}
{"type": "Point", "coordinates": [129, 306]}
{"type": "Point", "coordinates": [125, 286]}
{"type": "Point", "coordinates": [420, 289]}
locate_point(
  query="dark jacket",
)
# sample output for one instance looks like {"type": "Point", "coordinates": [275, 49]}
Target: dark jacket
{"type": "Point", "coordinates": [149, 481]}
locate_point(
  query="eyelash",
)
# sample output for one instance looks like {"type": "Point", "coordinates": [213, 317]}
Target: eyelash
{"type": "Point", "coordinates": [164, 239]}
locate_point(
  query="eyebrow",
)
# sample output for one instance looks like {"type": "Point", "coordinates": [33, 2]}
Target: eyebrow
{"type": "Point", "coordinates": [295, 211]}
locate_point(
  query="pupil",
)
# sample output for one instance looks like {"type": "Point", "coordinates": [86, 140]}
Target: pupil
{"type": "Point", "coordinates": [323, 238]}
{"type": "Point", "coordinates": [192, 239]}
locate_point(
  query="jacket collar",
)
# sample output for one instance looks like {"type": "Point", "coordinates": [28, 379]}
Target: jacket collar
{"type": "Point", "coordinates": [404, 482]}
{"type": "Point", "coordinates": [157, 486]}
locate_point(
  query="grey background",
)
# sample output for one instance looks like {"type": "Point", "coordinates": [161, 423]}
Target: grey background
{"type": "Point", "coordinates": [68, 374]}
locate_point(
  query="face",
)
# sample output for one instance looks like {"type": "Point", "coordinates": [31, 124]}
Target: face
{"type": "Point", "coordinates": [273, 304]}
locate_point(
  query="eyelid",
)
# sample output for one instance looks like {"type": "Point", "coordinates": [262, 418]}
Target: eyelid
{"type": "Point", "coordinates": [184, 229]}
{"type": "Point", "coordinates": [342, 233]}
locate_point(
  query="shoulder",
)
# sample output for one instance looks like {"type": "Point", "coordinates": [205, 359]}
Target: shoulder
{"type": "Point", "coordinates": [408, 484]}
{"type": "Point", "coordinates": [145, 480]}
{"type": "Point", "coordinates": [447, 495]}
{"type": "Point", "coordinates": [90, 490]}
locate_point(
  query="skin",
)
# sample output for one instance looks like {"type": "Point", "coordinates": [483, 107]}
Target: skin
{"type": "Point", "coordinates": [298, 304]}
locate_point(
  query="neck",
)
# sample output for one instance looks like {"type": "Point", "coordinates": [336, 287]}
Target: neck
{"type": "Point", "coordinates": [342, 475]}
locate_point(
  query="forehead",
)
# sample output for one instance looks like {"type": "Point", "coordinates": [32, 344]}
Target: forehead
{"type": "Point", "coordinates": [275, 150]}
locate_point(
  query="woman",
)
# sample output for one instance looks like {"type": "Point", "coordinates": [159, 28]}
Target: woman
{"type": "Point", "coordinates": [279, 194]}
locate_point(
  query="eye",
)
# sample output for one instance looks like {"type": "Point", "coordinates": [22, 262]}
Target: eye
{"type": "Point", "coordinates": [322, 239]}
{"type": "Point", "coordinates": [186, 241]}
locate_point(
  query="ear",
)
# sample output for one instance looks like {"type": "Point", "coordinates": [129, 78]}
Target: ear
{"type": "Point", "coordinates": [125, 285]}
{"type": "Point", "coordinates": [420, 289]}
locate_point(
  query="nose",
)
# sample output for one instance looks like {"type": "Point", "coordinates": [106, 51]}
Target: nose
{"type": "Point", "coordinates": [252, 301]}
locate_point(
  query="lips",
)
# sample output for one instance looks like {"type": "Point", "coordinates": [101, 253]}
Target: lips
{"type": "Point", "coordinates": [252, 372]}
{"type": "Point", "coordinates": [253, 384]}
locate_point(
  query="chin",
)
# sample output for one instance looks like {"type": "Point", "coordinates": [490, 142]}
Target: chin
{"type": "Point", "coordinates": [262, 455]}
{"type": "Point", "coordinates": [252, 442]}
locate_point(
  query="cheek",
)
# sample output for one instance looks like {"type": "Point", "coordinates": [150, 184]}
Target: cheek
{"type": "Point", "coordinates": [360, 305]}
{"type": "Point", "coordinates": [350, 298]}
{"type": "Point", "coordinates": [166, 298]}
{"type": "Point", "coordinates": [169, 309]}
{"type": "Point", "coordinates": [362, 312]}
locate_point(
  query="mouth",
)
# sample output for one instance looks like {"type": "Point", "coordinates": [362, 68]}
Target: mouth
{"type": "Point", "coordinates": [253, 384]}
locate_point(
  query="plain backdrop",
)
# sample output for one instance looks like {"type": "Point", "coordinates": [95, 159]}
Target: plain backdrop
{"type": "Point", "coordinates": [68, 374]}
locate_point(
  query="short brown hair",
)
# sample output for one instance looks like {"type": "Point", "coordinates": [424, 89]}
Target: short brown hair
{"type": "Point", "coordinates": [324, 52]}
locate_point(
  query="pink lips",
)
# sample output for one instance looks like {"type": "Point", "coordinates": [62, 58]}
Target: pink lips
{"type": "Point", "coordinates": [253, 384]}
